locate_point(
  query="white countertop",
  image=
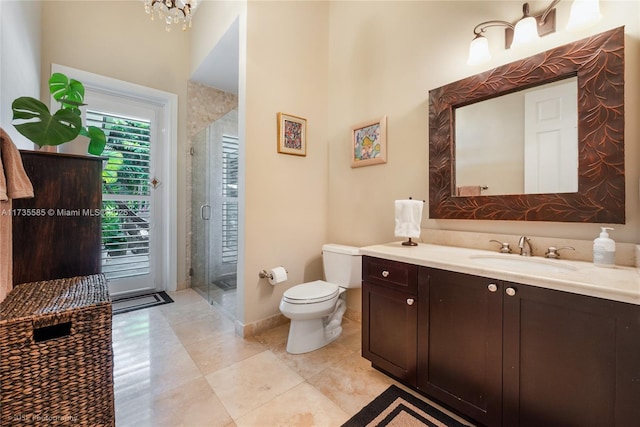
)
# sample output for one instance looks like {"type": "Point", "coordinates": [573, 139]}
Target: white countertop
{"type": "Point", "coordinates": [617, 283]}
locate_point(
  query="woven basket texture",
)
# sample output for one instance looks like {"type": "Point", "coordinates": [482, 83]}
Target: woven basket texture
{"type": "Point", "coordinates": [65, 378]}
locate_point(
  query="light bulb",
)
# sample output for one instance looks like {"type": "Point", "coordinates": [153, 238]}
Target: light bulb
{"type": "Point", "coordinates": [584, 13]}
{"type": "Point", "coordinates": [479, 51]}
{"type": "Point", "coordinates": [525, 31]}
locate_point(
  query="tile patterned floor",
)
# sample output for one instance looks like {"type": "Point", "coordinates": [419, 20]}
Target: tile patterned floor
{"type": "Point", "coordinates": [181, 364]}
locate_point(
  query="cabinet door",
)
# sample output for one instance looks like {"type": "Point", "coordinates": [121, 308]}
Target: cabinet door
{"type": "Point", "coordinates": [389, 319]}
{"type": "Point", "coordinates": [570, 360]}
{"type": "Point", "coordinates": [460, 342]}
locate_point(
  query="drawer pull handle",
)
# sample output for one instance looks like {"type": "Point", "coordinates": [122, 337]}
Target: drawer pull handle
{"type": "Point", "coordinates": [510, 291]}
{"type": "Point", "coordinates": [410, 301]}
{"type": "Point", "coordinates": [385, 273]}
{"type": "Point", "coordinates": [492, 287]}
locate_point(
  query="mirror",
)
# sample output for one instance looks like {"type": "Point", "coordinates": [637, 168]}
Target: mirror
{"type": "Point", "coordinates": [597, 64]}
{"type": "Point", "coordinates": [524, 142]}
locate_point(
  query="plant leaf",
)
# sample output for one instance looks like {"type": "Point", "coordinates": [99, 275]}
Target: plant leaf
{"type": "Point", "coordinates": [97, 139]}
{"type": "Point", "coordinates": [68, 92]}
{"type": "Point", "coordinates": [39, 126]}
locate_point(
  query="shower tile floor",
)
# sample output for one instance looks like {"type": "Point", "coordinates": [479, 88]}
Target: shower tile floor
{"type": "Point", "coordinates": [181, 364]}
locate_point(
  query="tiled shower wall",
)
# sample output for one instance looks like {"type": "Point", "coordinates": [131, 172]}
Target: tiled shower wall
{"type": "Point", "coordinates": [205, 105]}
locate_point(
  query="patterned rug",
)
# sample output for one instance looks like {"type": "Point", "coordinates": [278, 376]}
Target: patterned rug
{"type": "Point", "coordinates": [126, 304]}
{"type": "Point", "coordinates": [397, 408]}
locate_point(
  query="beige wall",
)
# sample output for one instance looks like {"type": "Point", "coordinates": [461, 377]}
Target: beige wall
{"type": "Point", "coordinates": [20, 64]}
{"type": "Point", "coordinates": [285, 196]}
{"type": "Point", "coordinates": [384, 59]}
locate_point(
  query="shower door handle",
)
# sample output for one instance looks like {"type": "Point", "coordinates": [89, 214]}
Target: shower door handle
{"type": "Point", "coordinates": [206, 207]}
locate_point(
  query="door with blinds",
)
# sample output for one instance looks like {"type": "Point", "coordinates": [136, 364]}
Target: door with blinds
{"type": "Point", "coordinates": [130, 220]}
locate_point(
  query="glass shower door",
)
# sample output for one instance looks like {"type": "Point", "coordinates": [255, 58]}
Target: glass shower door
{"type": "Point", "coordinates": [214, 218]}
{"type": "Point", "coordinates": [200, 214]}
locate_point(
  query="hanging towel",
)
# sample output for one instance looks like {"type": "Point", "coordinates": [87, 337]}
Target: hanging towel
{"type": "Point", "coordinates": [408, 218]}
{"type": "Point", "coordinates": [14, 184]}
{"type": "Point", "coordinates": [469, 190]}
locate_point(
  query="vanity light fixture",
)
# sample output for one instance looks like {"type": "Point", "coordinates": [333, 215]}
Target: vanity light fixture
{"type": "Point", "coordinates": [530, 28]}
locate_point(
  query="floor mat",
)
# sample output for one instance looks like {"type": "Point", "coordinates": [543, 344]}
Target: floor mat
{"type": "Point", "coordinates": [397, 408]}
{"type": "Point", "coordinates": [127, 304]}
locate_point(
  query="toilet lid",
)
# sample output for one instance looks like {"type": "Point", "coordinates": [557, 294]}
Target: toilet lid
{"type": "Point", "coordinates": [311, 292]}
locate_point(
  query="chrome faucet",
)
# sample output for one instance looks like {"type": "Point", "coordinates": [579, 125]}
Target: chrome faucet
{"type": "Point", "coordinates": [525, 241]}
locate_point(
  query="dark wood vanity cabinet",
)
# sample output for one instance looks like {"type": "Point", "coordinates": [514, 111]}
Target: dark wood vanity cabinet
{"type": "Point", "coordinates": [390, 317]}
{"type": "Point", "coordinates": [569, 360]}
{"type": "Point", "coordinates": [507, 354]}
{"type": "Point", "coordinates": [460, 342]}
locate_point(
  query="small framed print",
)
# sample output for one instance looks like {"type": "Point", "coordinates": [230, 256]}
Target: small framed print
{"type": "Point", "coordinates": [369, 143]}
{"type": "Point", "coordinates": [292, 135]}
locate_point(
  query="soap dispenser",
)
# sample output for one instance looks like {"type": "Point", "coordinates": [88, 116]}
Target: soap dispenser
{"type": "Point", "coordinates": [604, 249]}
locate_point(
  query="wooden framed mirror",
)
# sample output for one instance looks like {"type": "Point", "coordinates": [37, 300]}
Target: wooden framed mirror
{"type": "Point", "coordinates": [598, 64]}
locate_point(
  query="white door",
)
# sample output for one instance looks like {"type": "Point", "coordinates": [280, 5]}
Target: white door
{"type": "Point", "coordinates": [131, 222]}
{"type": "Point", "coordinates": [551, 140]}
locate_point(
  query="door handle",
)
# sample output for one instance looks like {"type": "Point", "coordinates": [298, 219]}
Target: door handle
{"type": "Point", "coordinates": [202, 210]}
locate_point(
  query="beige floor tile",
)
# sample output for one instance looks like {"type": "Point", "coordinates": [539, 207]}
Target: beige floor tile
{"type": "Point", "coordinates": [351, 335]}
{"type": "Point", "coordinates": [146, 372]}
{"type": "Point", "coordinates": [274, 337]}
{"type": "Point", "coordinates": [206, 327]}
{"type": "Point", "coordinates": [193, 404]}
{"type": "Point", "coordinates": [188, 307]}
{"type": "Point", "coordinates": [222, 350]}
{"type": "Point", "coordinates": [301, 406]}
{"type": "Point", "coordinates": [309, 364]}
{"type": "Point", "coordinates": [136, 411]}
{"type": "Point", "coordinates": [351, 384]}
{"type": "Point", "coordinates": [249, 384]}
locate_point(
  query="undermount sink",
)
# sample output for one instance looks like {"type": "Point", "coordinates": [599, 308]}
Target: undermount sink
{"type": "Point", "coordinates": [521, 263]}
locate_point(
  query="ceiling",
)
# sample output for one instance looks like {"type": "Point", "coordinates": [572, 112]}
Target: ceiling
{"type": "Point", "coordinates": [220, 68]}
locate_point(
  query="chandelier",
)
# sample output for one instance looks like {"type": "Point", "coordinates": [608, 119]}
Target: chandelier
{"type": "Point", "coordinates": [171, 11]}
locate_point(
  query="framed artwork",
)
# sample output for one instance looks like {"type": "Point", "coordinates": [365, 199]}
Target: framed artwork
{"type": "Point", "coordinates": [369, 143]}
{"type": "Point", "coordinates": [292, 135]}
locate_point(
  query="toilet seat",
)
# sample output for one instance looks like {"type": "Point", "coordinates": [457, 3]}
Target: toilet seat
{"type": "Point", "coordinates": [311, 293]}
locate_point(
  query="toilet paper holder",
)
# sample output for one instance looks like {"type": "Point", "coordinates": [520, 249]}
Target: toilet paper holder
{"type": "Point", "coordinates": [264, 274]}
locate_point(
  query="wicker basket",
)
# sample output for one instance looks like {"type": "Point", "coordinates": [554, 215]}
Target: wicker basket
{"type": "Point", "coordinates": [56, 359]}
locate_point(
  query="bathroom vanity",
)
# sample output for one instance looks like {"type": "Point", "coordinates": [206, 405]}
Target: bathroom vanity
{"type": "Point", "coordinates": [503, 340]}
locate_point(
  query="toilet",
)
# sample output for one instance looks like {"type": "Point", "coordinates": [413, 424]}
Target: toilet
{"type": "Point", "coordinates": [316, 308]}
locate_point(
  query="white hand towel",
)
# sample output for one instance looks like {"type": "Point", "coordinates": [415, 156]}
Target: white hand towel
{"type": "Point", "coordinates": [408, 218]}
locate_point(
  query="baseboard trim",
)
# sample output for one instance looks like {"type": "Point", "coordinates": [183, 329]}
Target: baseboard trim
{"type": "Point", "coordinates": [255, 328]}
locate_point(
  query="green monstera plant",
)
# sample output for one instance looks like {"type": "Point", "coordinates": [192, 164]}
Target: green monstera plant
{"type": "Point", "coordinates": [33, 119]}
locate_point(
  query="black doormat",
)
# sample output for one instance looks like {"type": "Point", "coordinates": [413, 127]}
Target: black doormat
{"type": "Point", "coordinates": [127, 304]}
{"type": "Point", "coordinates": [397, 408]}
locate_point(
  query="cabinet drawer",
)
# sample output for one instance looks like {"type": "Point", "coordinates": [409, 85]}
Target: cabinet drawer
{"type": "Point", "coordinates": [393, 274]}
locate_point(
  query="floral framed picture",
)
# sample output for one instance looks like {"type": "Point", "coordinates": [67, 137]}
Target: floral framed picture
{"type": "Point", "coordinates": [292, 135]}
{"type": "Point", "coordinates": [369, 143]}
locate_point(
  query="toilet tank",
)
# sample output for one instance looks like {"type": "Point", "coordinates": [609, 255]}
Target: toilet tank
{"type": "Point", "coordinates": [342, 265]}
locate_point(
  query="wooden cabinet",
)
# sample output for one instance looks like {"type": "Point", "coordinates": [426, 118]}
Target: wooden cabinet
{"type": "Point", "coordinates": [460, 342]}
{"type": "Point", "coordinates": [506, 354]}
{"type": "Point", "coordinates": [57, 233]}
{"type": "Point", "coordinates": [389, 317]}
{"type": "Point", "coordinates": [569, 360]}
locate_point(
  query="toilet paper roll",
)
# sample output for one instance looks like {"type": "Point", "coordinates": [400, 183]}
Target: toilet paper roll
{"type": "Point", "coordinates": [277, 275]}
